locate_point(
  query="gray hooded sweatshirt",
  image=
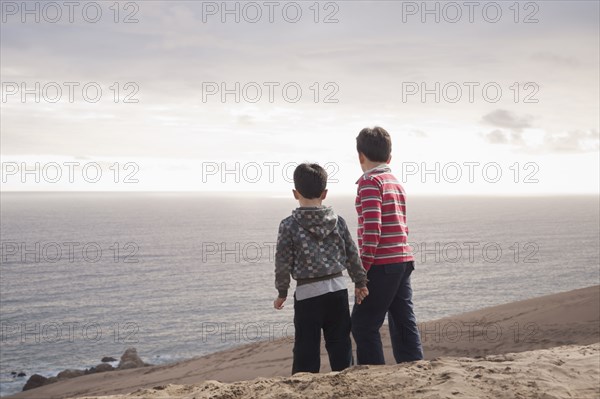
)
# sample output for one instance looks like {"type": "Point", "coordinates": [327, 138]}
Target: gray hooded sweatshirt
{"type": "Point", "coordinates": [315, 244]}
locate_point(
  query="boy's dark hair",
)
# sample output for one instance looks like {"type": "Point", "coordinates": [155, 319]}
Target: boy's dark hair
{"type": "Point", "coordinates": [310, 180]}
{"type": "Point", "coordinates": [375, 143]}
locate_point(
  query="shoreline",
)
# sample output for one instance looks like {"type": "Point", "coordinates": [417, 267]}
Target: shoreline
{"type": "Point", "coordinates": [567, 318]}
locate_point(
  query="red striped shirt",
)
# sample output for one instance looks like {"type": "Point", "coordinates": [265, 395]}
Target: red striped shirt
{"type": "Point", "coordinates": [382, 229]}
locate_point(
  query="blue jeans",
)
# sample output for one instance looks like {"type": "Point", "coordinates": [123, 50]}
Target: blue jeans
{"type": "Point", "coordinates": [389, 292]}
{"type": "Point", "coordinates": [328, 312]}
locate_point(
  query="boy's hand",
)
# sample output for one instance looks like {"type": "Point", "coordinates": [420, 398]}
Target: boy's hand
{"type": "Point", "coordinates": [278, 303]}
{"type": "Point", "coordinates": [361, 294]}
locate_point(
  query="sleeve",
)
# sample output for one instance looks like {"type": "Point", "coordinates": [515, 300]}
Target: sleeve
{"type": "Point", "coordinates": [370, 199]}
{"type": "Point", "coordinates": [284, 260]}
{"type": "Point", "coordinates": [357, 272]}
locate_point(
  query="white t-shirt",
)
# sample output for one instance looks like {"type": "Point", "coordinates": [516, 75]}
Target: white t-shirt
{"type": "Point", "coordinates": [322, 287]}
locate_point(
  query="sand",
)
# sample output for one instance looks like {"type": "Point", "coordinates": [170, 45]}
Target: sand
{"type": "Point", "coordinates": [566, 324]}
{"type": "Point", "coordinates": [562, 372]}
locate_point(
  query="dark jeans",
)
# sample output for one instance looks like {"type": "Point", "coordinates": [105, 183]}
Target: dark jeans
{"type": "Point", "coordinates": [331, 313]}
{"type": "Point", "coordinates": [389, 292]}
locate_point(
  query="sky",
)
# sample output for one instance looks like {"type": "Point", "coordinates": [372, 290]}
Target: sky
{"type": "Point", "coordinates": [495, 98]}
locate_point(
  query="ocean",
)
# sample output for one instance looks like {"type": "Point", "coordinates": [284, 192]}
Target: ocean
{"type": "Point", "coordinates": [177, 275]}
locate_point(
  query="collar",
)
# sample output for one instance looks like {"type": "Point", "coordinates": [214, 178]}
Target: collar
{"type": "Point", "coordinates": [381, 168]}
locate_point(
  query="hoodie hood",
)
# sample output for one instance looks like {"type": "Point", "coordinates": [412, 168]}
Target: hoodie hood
{"type": "Point", "coordinates": [320, 222]}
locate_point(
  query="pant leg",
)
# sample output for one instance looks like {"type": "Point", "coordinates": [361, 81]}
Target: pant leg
{"type": "Point", "coordinates": [368, 317]}
{"type": "Point", "coordinates": [336, 329]}
{"type": "Point", "coordinates": [307, 339]}
{"type": "Point", "coordinates": [404, 332]}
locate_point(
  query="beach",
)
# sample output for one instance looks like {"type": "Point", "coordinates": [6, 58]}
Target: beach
{"type": "Point", "coordinates": [540, 347]}
{"type": "Point", "coordinates": [561, 372]}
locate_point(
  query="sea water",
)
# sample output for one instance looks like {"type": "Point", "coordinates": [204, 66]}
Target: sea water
{"type": "Point", "coordinates": [87, 275]}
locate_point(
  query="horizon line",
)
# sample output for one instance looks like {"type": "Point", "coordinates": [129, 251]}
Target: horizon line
{"type": "Point", "coordinates": [272, 194]}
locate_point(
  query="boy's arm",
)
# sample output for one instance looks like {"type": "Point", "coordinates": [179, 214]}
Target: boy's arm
{"type": "Point", "coordinates": [370, 199]}
{"type": "Point", "coordinates": [357, 272]}
{"type": "Point", "coordinates": [284, 259]}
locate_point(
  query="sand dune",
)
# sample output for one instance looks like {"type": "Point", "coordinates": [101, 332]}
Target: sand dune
{"type": "Point", "coordinates": [562, 372]}
{"type": "Point", "coordinates": [570, 318]}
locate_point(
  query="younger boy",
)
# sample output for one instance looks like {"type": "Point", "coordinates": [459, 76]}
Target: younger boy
{"type": "Point", "coordinates": [385, 254]}
{"type": "Point", "coordinates": [314, 246]}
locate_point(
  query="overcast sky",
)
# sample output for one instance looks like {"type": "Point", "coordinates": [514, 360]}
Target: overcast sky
{"type": "Point", "coordinates": [368, 66]}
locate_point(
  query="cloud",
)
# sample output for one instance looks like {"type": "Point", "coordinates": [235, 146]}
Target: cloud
{"type": "Point", "coordinates": [512, 133]}
{"type": "Point", "coordinates": [245, 120]}
{"type": "Point", "coordinates": [418, 133]}
{"type": "Point", "coordinates": [556, 59]}
{"type": "Point", "coordinates": [508, 120]}
{"type": "Point", "coordinates": [496, 137]}
{"type": "Point", "coordinates": [573, 141]}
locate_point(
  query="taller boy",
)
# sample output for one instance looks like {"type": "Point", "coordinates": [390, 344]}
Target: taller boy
{"type": "Point", "coordinates": [385, 254]}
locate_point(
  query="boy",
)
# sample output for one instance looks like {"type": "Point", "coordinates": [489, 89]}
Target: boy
{"type": "Point", "coordinates": [385, 254]}
{"type": "Point", "coordinates": [314, 246]}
